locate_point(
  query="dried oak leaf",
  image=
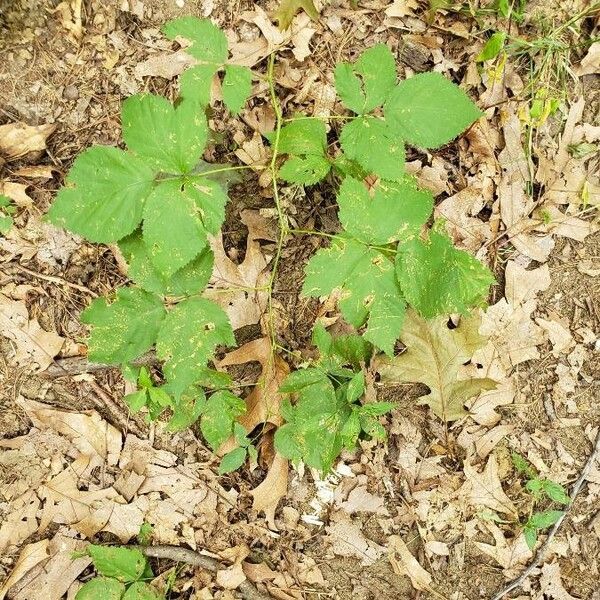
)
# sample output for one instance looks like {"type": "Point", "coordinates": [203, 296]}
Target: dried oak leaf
{"type": "Point", "coordinates": [404, 563]}
{"type": "Point", "coordinates": [434, 355]}
{"type": "Point", "coordinates": [509, 554]}
{"type": "Point", "coordinates": [19, 139]}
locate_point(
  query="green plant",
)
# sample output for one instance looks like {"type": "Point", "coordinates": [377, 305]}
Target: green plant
{"type": "Point", "coordinates": [122, 575]}
{"type": "Point", "coordinates": [539, 489]}
{"type": "Point", "coordinates": [160, 203]}
{"type": "Point", "coordinates": [7, 210]}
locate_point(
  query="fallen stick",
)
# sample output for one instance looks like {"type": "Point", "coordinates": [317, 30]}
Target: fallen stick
{"type": "Point", "coordinates": [76, 365]}
{"type": "Point", "coordinates": [185, 555]}
{"type": "Point", "coordinates": [537, 559]}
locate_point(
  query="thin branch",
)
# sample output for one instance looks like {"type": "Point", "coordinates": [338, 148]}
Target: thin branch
{"type": "Point", "coordinates": [191, 557]}
{"type": "Point", "coordinates": [516, 583]}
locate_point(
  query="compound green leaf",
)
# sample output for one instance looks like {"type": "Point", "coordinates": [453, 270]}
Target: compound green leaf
{"type": "Point", "coordinates": [301, 137]}
{"type": "Point", "coordinates": [218, 418]}
{"type": "Point", "coordinates": [208, 42]}
{"type": "Point", "coordinates": [136, 400]}
{"type": "Point", "coordinates": [125, 328]}
{"type": "Point", "coordinates": [555, 492]}
{"type": "Point", "coordinates": [306, 170]}
{"type": "Point", "coordinates": [434, 356]}
{"type": "Point", "coordinates": [298, 380]}
{"type": "Point", "coordinates": [370, 291]}
{"type": "Point", "coordinates": [195, 83]}
{"type": "Point", "coordinates": [237, 85]}
{"type": "Point", "coordinates": [210, 198]}
{"type": "Point", "coordinates": [232, 460]}
{"type": "Point", "coordinates": [123, 564]}
{"type": "Point", "coordinates": [101, 588]}
{"type": "Point", "coordinates": [428, 110]}
{"type": "Point", "coordinates": [366, 84]}
{"type": "Point", "coordinates": [142, 591]}
{"type": "Point", "coordinates": [104, 195]}
{"type": "Point", "coordinates": [187, 339]}
{"type": "Point", "coordinates": [173, 231]}
{"type": "Point", "coordinates": [171, 138]}
{"type": "Point", "coordinates": [436, 278]}
{"type": "Point", "coordinates": [189, 280]}
{"type": "Point", "coordinates": [394, 210]}
{"type": "Point", "coordinates": [544, 519]}
{"type": "Point", "coordinates": [187, 408]}
{"type": "Point", "coordinates": [375, 146]}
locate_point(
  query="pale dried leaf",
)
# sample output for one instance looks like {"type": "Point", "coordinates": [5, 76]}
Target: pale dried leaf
{"type": "Point", "coordinates": [347, 539]}
{"type": "Point", "coordinates": [360, 500]}
{"type": "Point", "coordinates": [551, 583]}
{"type": "Point", "coordinates": [508, 553]}
{"type": "Point", "coordinates": [590, 63]}
{"type": "Point", "coordinates": [18, 139]}
{"type": "Point", "coordinates": [30, 556]}
{"type": "Point", "coordinates": [267, 495]}
{"type": "Point", "coordinates": [404, 563]}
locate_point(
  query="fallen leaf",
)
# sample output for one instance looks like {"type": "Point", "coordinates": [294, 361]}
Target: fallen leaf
{"type": "Point", "coordinates": [34, 346]}
{"type": "Point", "coordinates": [360, 500]}
{"type": "Point", "coordinates": [404, 563]}
{"type": "Point", "coordinates": [19, 139]}
{"type": "Point", "coordinates": [16, 192]}
{"type": "Point", "coordinates": [347, 539]}
{"type": "Point", "coordinates": [560, 337]}
{"type": "Point", "coordinates": [240, 288]}
{"type": "Point", "coordinates": [433, 356]}
{"type": "Point", "coordinates": [273, 488]}
{"type": "Point", "coordinates": [590, 63]}
{"type": "Point", "coordinates": [36, 172]}
{"type": "Point", "coordinates": [30, 556]}
{"type": "Point", "coordinates": [485, 489]}
{"type": "Point", "coordinates": [164, 64]}
{"type": "Point", "coordinates": [508, 553]}
{"type": "Point", "coordinates": [551, 583]}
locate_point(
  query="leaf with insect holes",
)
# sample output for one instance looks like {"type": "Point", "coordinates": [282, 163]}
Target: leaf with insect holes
{"type": "Point", "coordinates": [434, 356]}
{"type": "Point", "coordinates": [142, 591]}
{"type": "Point", "coordinates": [237, 85]}
{"type": "Point", "coordinates": [366, 84]}
{"type": "Point", "coordinates": [124, 564]}
{"type": "Point", "coordinates": [219, 415]}
{"type": "Point", "coordinates": [436, 278]}
{"type": "Point", "coordinates": [390, 212]}
{"type": "Point", "coordinates": [104, 195]}
{"type": "Point", "coordinates": [125, 328]}
{"type": "Point", "coordinates": [362, 135]}
{"type": "Point", "coordinates": [208, 42]}
{"type": "Point", "coordinates": [370, 292]}
{"type": "Point", "coordinates": [428, 110]}
{"type": "Point", "coordinates": [171, 139]}
{"type": "Point", "coordinates": [188, 337]}
{"type": "Point", "coordinates": [190, 279]}
{"type": "Point", "coordinates": [173, 231]}
{"type": "Point", "coordinates": [101, 588]}
{"type": "Point", "coordinates": [289, 8]}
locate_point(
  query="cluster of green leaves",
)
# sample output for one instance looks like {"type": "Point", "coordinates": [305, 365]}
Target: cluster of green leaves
{"type": "Point", "coordinates": [7, 210]}
{"type": "Point", "coordinates": [328, 415]}
{"type": "Point", "coordinates": [540, 489]}
{"type": "Point", "coordinates": [383, 260]}
{"type": "Point", "coordinates": [122, 575]}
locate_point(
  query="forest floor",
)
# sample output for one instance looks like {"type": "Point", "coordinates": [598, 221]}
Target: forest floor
{"type": "Point", "coordinates": [520, 190]}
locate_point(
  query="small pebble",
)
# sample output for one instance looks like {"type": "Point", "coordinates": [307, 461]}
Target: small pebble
{"type": "Point", "coordinates": [71, 93]}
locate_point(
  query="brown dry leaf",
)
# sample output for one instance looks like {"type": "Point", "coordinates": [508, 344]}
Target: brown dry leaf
{"type": "Point", "coordinates": [360, 500]}
{"type": "Point", "coordinates": [559, 335]}
{"type": "Point", "coordinates": [34, 346]}
{"type": "Point", "coordinates": [485, 489]}
{"type": "Point", "coordinates": [551, 583]}
{"type": "Point", "coordinates": [231, 577]}
{"type": "Point", "coordinates": [347, 539]}
{"type": "Point", "coordinates": [590, 63]}
{"type": "Point", "coordinates": [434, 355]}
{"type": "Point", "coordinates": [402, 8]}
{"type": "Point", "coordinates": [89, 432]}
{"type": "Point", "coordinates": [36, 172]}
{"type": "Point", "coordinates": [273, 488]}
{"type": "Point", "coordinates": [16, 192]}
{"type": "Point", "coordinates": [18, 139]}
{"type": "Point", "coordinates": [404, 563]}
{"type": "Point", "coordinates": [164, 64]}
{"type": "Point", "coordinates": [246, 302]}
{"type": "Point", "coordinates": [508, 553]}
{"type": "Point", "coordinates": [30, 556]}
{"type": "Point", "coordinates": [20, 522]}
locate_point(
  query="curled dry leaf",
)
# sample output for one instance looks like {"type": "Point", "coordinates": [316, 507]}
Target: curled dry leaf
{"type": "Point", "coordinates": [34, 347]}
{"type": "Point", "coordinates": [267, 495]}
{"type": "Point", "coordinates": [404, 563]}
{"type": "Point", "coordinates": [19, 139]}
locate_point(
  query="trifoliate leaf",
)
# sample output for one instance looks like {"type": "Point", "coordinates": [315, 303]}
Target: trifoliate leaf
{"type": "Point", "coordinates": [136, 400]}
{"type": "Point", "coordinates": [125, 328]}
{"type": "Point", "coordinates": [173, 231]}
{"type": "Point", "coordinates": [104, 195]}
{"type": "Point", "coordinates": [375, 146]}
{"type": "Point", "coordinates": [434, 356]}
{"type": "Point", "coordinates": [208, 42]}
{"type": "Point", "coordinates": [428, 110]}
{"type": "Point", "coordinates": [298, 380]}
{"type": "Point", "coordinates": [237, 85]}
{"type": "Point", "coordinates": [219, 415]}
{"type": "Point", "coordinates": [356, 387]}
{"type": "Point", "coordinates": [142, 591]}
{"type": "Point", "coordinates": [101, 588]}
{"type": "Point", "coordinates": [351, 430]}
{"type": "Point", "coordinates": [195, 83]}
{"type": "Point", "coordinates": [289, 8]}
{"type": "Point", "coordinates": [232, 460]}
{"type": "Point", "coordinates": [436, 278]}
{"type": "Point", "coordinates": [306, 170]}
{"type": "Point", "coordinates": [544, 519]}
{"type": "Point", "coordinates": [187, 408]}
{"type": "Point", "coordinates": [301, 137]}
{"type": "Point", "coordinates": [555, 492]}
{"type": "Point", "coordinates": [170, 138]}
{"type": "Point", "coordinates": [370, 290]}
{"type": "Point", "coordinates": [394, 211]}
{"type": "Point", "coordinates": [189, 280]}
{"type": "Point", "coordinates": [367, 83]}
{"type": "Point", "coordinates": [188, 337]}
{"type": "Point", "coordinates": [124, 564]}
{"type": "Point", "coordinates": [492, 47]}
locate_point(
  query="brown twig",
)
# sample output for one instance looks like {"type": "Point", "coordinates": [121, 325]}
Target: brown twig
{"type": "Point", "coordinates": [76, 365]}
{"type": "Point", "coordinates": [539, 556]}
{"type": "Point", "coordinates": [191, 557]}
